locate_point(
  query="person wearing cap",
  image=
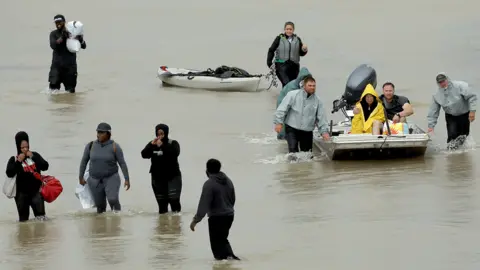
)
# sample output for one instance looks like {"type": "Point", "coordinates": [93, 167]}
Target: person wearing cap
{"type": "Point", "coordinates": [459, 103]}
{"type": "Point", "coordinates": [64, 63]}
{"type": "Point", "coordinates": [398, 107]}
{"type": "Point", "coordinates": [105, 156]}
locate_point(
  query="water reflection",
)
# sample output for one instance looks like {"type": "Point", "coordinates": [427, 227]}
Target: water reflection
{"type": "Point", "coordinates": [225, 266]}
{"type": "Point", "coordinates": [66, 103]}
{"type": "Point", "coordinates": [166, 241]}
{"type": "Point", "coordinates": [35, 244]}
{"type": "Point", "coordinates": [459, 167]}
{"type": "Point", "coordinates": [106, 242]}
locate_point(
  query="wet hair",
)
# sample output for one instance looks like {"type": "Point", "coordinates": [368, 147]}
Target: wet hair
{"type": "Point", "coordinates": [213, 166]}
{"type": "Point", "coordinates": [307, 79]}
{"type": "Point", "coordinates": [289, 23]}
{"type": "Point", "coordinates": [389, 83]}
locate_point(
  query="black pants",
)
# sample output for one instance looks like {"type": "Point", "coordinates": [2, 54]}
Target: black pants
{"type": "Point", "coordinates": [457, 126]}
{"type": "Point", "coordinates": [168, 192]}
{"type": "Point", "coordinates": [297, 137]}
{"type": "Point", "coordinates": [25, 201]}
{"type": "Point", "coordinates": [218, 229]}
{"type": "Point", "coordinates": [287, 72]}
{"type": "Point", "coordinates": [66, 74]}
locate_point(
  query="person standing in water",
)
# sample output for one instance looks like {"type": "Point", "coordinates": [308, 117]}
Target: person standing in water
{"type": "Point", "coordinates": [217, 201]}
{"type": "Point", "coordinates": [287, 48]}
{"type": "Point", "coordinates": [300, 111]}
{"type": "Point", "coordinates": [26, 168]}
{"type": "Point", "coordinates": [163, 153]}
{"type": "Point", "coordinates": [105, 155]}
{"type": "Point", "coordinates": [459, 103]}
{"type": "Point", "coordinates": [64, 63]}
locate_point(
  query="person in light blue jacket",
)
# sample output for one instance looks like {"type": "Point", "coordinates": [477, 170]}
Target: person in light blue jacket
{"type": "Point", "coordinates": [459, 103]}
{"type": "Point", "coordinates": [300, 111]}
{"type": "Point", "coordinates": [293, 85]}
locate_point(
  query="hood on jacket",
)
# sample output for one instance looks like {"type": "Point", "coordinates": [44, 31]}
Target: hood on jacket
{"type": "Point", "coordinates": [220, 177]}
{"type": "Point", "coordinates": [165, 129]}
{"type": "Point", "coordinates": [19, 138]}
{"type": "Point", "coordinates": [370, 90]}
{"type": "Point", "coordinates": [301, 75]}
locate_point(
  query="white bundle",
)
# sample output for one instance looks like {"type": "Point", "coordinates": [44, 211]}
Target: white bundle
{"type": "Point", "coordinates": [75, 28]}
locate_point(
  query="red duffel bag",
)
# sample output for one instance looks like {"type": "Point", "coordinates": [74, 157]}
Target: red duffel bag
{"type": "Point", "coordinates": [51, 188]}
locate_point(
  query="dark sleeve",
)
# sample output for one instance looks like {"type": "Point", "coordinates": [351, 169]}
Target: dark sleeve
{"type": "Point", "coordinates": [83, 44]}
{"type": "Point", "coordinates": [172, 150]}
{"type": "Point", "coordinates": [234, 197]}
{"type": "Point", "coordinates": [302, 53]}
{"type": "Point", "coordinates": [271, 51]}
{"type": "Point", "coordinates": [402, 100]}
{"type": "Point", "coordinates": [84, 160]}
{"type": "Point", "coordinates": [53, 40]}
{"type": "Point", "coordinates": [40, 162]}
{"type": "Point", "coordinates": [147, 152]}
{"type": "Point", "coordinates": [12, 167]}
{"type": "Point", "coordinates": [204, 202]}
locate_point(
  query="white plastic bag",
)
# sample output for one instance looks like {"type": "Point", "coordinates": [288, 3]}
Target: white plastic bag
{"type": "Point", "coordinates": [84, 194]}
{"type": "Point", "coordinates": [10, 187]}
{"type": "Point", "coordinates": [73, 45]}
{"type": "Point", "coordinates": [75, 28]}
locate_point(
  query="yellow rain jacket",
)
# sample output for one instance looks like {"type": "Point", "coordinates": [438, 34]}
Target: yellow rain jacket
{"type": "Point", "coordinates": [359, 124]}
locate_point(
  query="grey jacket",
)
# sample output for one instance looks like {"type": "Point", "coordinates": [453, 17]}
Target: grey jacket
{"type": "Point", "coordinates": [456, 99]}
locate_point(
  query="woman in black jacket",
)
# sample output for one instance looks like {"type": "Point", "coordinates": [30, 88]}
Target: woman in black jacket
{"type": "Point", "coordinates": [26, 167]}
{"type": "Point", "coordinates": [163, 153]}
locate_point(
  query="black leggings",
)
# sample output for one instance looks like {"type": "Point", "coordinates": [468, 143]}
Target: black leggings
{"type": "Point", "coordinates": [297, 137]}
{"type": "Point", "coordinates": [457, 126]}
{"type": "Point", "coordinates": [25, 201]}
{"type": "Point", "coordinates": [287, 72]}
{"type": "Point", "coordinates": [219, 229]}
{"type": "Point", "coordinates": [168, 192]}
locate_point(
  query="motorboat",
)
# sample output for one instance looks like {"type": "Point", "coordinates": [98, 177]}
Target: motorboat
{"type": "Point", "coordinates": [223, 78]}
{"type": "Point", "coordinates": [412, 142]}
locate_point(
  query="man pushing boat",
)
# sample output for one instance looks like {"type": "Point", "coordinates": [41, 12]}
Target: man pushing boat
{"type": "Point", "coordinates": [300, 111]}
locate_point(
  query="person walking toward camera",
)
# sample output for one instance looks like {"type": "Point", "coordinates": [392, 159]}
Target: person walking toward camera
{"type": "Point", "coordinates": [163, 153]}
{"type": "Point", "coordinates": [217, 201]}
{"type": "Point", "coordinates": [105, 155]}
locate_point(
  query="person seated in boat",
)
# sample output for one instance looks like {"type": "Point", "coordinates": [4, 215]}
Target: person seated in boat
{"type": "Point", "coordinates": [398, 107]}
{"type": "Point", "coordinates": [368, 113]}
{"type": "Point", "coordinates": [293, 85]}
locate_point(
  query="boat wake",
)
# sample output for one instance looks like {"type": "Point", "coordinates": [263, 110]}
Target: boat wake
{"type": "Point", "coordinates": [300, 157]}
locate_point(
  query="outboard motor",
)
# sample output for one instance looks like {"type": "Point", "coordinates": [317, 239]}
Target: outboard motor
{"type": "Point", "coordinates": [356, 83]}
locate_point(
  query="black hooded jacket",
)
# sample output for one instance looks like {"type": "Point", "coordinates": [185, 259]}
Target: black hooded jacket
{"type": "Point", "coordinates": [164, 159]}
{"type": "Point", "coordinates": [27, 183]}
{"type": "Point", "coordinates": [218, 197]}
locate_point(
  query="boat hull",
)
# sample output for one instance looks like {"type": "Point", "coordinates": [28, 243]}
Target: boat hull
{"type": "Point", "coordinates": [246, 84]}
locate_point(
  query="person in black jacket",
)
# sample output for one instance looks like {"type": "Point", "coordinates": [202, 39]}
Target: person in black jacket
{"type": "Point", "coordinates": [217, 201]}
{"type": "Point", "coordinates": [26, 167]}
{"type": "Point", "coordinates": [163, 153]}
{"type": "Point", "coordinates": [287, 48]}
{"type": "Point", "coordinates": [64, 63]}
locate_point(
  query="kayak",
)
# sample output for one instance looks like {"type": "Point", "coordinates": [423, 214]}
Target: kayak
{"type": "Point", "coordinates": [229, 79]}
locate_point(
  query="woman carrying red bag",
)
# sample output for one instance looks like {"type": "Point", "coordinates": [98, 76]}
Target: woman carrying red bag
{"type": "Point", "coordinates": [26, 167]}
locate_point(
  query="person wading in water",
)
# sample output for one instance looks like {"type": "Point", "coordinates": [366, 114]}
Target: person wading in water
{"type": "Point", "coordinates": [163, 153]}
{"type": "Point", "coordinates": [26, 167]}
{"type": "Point", "coordinates": [287, 48]}
{"type": "Point", "coordinates": [217, 201]}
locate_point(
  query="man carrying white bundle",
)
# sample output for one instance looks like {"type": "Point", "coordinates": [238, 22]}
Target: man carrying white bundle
{"type": "Point", "coordinates": [64, 63]}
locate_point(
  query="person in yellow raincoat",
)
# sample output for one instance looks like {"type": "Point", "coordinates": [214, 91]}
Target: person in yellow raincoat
{"type": "Point", "coordinates": [368, 113]}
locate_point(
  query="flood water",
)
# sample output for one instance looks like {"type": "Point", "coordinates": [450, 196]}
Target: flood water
{"type": "Point", "coordinates": [409, 214]}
